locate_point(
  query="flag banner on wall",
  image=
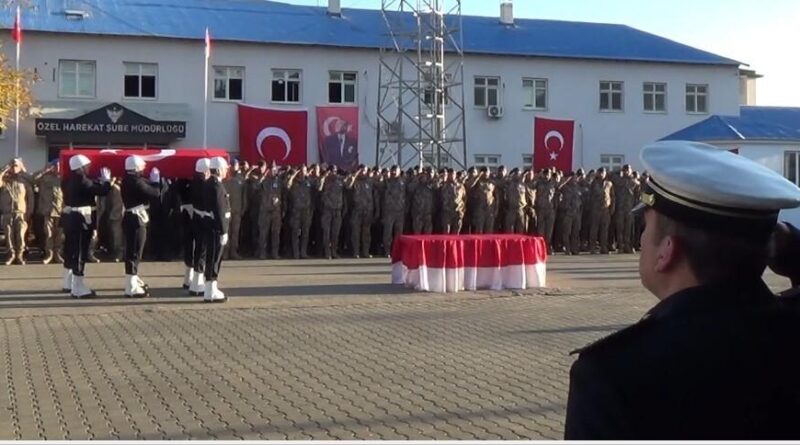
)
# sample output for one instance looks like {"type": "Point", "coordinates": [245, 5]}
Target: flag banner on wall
{"type": "Point", "coordinates": [273, 135]}
{"type": "Point", "coordinates": [171, 163]}
{"type": "Point", "coordinates": [553, 142]}
{"type": "Point", "coordinates": [337, 136]}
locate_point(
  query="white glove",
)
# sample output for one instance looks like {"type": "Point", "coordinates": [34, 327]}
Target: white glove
{"type": "Point", "coordinates": [105, 174]}
{"type": "Point", "coordinates": [223, 240]}
{"type": "Point", "coordinates": [155, 175]}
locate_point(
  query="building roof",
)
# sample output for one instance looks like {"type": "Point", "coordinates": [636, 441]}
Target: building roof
{"type": "Point", "coordinates": [263, 21]}
{"type": "Point", "coordinates": [772, 124]}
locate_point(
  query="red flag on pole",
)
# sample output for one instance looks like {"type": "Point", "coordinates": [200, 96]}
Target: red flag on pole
{"type": "Point", "coordinates": [16, 31]}
{"type": "Point", "coordinates": [553, 142]}
{"type": "Point", "coordinates": [273, 135]}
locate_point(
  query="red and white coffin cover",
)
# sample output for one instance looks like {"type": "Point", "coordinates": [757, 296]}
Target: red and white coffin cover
{"type": "Point", "coordinates": [171, 163]}
{"type": "Point", "coordinates": [449, 263]}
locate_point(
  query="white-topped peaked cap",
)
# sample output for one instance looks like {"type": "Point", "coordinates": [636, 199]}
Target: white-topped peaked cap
{"type": "Point", "coordinates": [78, 161]}
{"type": "Point", "coordinates": [202, 165]}
{"type": "Point", "coordinates": [218, 163]}
{"type": "Point", "coordinates": [134, 163]}
{"type": "Point", "coordinates": [707, 187]}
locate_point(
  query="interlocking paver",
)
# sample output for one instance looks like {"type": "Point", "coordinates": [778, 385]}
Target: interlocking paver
{"type": "Point", "coordinates": [355, 360]}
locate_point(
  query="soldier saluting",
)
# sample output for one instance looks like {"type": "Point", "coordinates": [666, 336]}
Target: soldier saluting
{"type": "Point", "coordinates": [79, 220]}
{"type": "Point", "coordinates": [137, 193]}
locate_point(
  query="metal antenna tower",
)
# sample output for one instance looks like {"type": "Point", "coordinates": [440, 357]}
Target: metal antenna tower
{"type": "Point", "coordinates": [421, 85]}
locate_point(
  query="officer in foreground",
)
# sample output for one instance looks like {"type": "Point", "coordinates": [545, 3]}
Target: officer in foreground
{"type": "Point", "coordinates": [717, 357]}
{"type": "Point", "coordinates": [137, 193]}
{"type": "Point", "coordinates": [216, 203]}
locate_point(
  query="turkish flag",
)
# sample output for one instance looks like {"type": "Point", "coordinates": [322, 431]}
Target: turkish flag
{"type": "Point", "coordinates": [273, 135]}
{"type": "Point", "coordinates": [172, 164]}
{"type": "Point", "coordinates": [553, 142]}
{"type": "Point", "coordinates": [337, 135]}
{"type": "Point", "coordinates": [16, 31]}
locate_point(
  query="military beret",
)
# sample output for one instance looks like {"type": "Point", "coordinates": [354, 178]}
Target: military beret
{"type": "Point", "coordinates": [709, 188]}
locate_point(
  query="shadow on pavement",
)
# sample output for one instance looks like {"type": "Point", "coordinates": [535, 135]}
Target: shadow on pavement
{"type": "Point", "coordinates": [603, 328]}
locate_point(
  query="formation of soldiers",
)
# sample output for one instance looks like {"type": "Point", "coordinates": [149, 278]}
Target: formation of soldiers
{"type": "Point", "coordinates": [300, 212]}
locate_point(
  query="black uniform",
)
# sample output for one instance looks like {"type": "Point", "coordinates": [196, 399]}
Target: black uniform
{"type": "Point", "coordinates": [710, 362]}
{"type": "Point", "coordinates": [137, 193]}
{"type": "Point", "coordinates": [217, 202]}
{"type": "Point", "coordinates": [196, 197]}
{"type": "Point", "coordinates": [184, 191]}
{"type": "Point", "coordinates": [79, 194]}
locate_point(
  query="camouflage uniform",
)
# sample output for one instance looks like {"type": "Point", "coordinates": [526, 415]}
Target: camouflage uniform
{"type": "Point", "coordinates": [361, 216]}
{"type": "Point", "coordinates": [394, 211]}
{"type": "Point", "coordinates": [422, 207]}
{"type": "Point", "coordinates": [237, 193]}
{"type": "Point", "coordinates": [332, 196]}
{"type": "Point", "coordinates": [627, 195]}
{"type": "Point", "coordinates": [301, 213]}
{"type": "Point", "coordinates": [16, 203]}
{"type": "Point", "coordinates": [484, 210]}
{"type": "Point", "coordinates": [571, 208]}
{"type": "Point", "coordinates": [602, 202]}
{"type": "Point", "coordinates": [49, 202]}
{"type": "Point", "coordinates": [545, 213]}
{"type": "Point", "coordinates": [112, 210]}
{"type": "Point", "coordinates": [252, 224]}
{"type": "Point", "coordinates": [453, 198]}
{"type": "Point", "coordinates": [271, 210]}
{"type": "Point", "coordinates": [516, 197]}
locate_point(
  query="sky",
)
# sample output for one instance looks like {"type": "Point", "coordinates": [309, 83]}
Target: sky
{"type": "Point", "coordinates": [764, 34]}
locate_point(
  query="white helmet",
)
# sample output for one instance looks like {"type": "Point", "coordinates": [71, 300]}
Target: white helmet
{"type": "Point", "coordinates": [134, 163]}
{"type": "Point", "coordinates": [202, 165]}
{"type": "Point", "coordinates": [78, 161]}
{"type": "Point", "coordinates": [218, 163]}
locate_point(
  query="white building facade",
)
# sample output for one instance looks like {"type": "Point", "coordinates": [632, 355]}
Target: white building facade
{"type": "Point", "coordinates": [617, 105]}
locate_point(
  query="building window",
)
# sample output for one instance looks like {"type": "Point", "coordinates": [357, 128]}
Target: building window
{"type": "Point", "coordinates": [791, 167]}
{"type": "Point", "coordinates": [491, 161]}
{"type": "Point", "coordinates": [655, 97]}
{"type": "Point", "coordinates": [140, 80]}
{"type": "Point", "coordinates": [76, 78]}
{"type": "Point", "coordinates": [612, 163]}
{"type": "Point", "coordinates": [229, 83]}
{"type": "Point", "coordinates": [535, 93]}
{"type": "Point", "coordinates": [487, 91]}
{"type": "Point", "coordinates": [527, 162]}
{"type": "Point", "coordinates": [341, 87]}
{"type": "Point", "coordinates": [286, 86]}
{"type": "Point", "coordinates": [696, 98]}
{"type": "Point", "coordinates": [610, 96]}
{"type": "Point", "coordinates": [429, 159]}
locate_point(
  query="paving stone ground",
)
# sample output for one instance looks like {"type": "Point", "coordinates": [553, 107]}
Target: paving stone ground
{"type": "Point", "coordinates": [303, 350]}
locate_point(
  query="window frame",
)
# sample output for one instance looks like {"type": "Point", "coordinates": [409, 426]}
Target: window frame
{"type": "Point", "coordinates": [343, 85]}
{"type": "Point", "coordinates": [796, 155]}
{"type": "Point", "coordinates": [287, 72]}
{"type": "Point", "coordinates": [527, 161]}
{"type": "Point", "coordinates": [654, 93]}
{"type": "Point", "coordinates": [611, 166]}
{"type": "Point", "coordinates": [534, 89]}
{"type": "Point", "coordinates": [695, 95]}
{"type": "Point", "coordinates": [610, 91]}
{"type": "Point", "coordinates": [140, 76]}
{"type": "Point", "coordinates": [77, 64]}
{"type": "Point", "coordinates": [228, 69]}
{"type": "Point", "coordinates": [486, 87]}
{"type": "Point", "coordinates": [486, 160]}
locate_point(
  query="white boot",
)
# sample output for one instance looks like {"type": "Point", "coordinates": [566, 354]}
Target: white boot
{"type": "Point", "coordinates": [128, 285]}
{"type": "Point", "coordinates": [216, 295]}
{"type": "Point", "coordinates": [198, 285]}
{"type": "Point", "coordinates": [208, 292]}
{"type": "Point", "coordinates": [134, 288]}
{"type": "Point", "coordinates": [79, 290]}
{"type": "Point", "coordinates": [188, 276]}
{"type": "Point", "coordinates": [66, 287]}
{"type": "Point", "coordinates": [142, 284]}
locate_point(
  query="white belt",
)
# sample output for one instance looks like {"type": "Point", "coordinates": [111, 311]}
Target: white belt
{"type": "Point", "coordinates": [203, 214]}
{"type": "Point", "coordinates": [85, 211]}
{"type": "Point", "coordinates": [141, 212]}
{"type": "Point", "coordinates": [187, 208]}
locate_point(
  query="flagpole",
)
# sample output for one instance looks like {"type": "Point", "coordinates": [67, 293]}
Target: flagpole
{"type": "Point", "coordinates": [205, 92]}
{"type": "Point", "coordinates": [16, 92]}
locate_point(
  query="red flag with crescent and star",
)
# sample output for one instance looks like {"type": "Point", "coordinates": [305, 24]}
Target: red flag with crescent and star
{"type": "Point", "coordinates": [337, 136]}
{"type": "Point", "coordinates": [16, 31]}
{"type": "Point", "coordinates": [173, 163]}
{"type": "Point", "coordinates": [553, 142]}
{"type": "Point", "coordinates": [273, 135]}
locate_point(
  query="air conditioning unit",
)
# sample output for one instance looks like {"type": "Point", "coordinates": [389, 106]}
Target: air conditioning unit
{"type": "Point", "coordinates": [494, 111]}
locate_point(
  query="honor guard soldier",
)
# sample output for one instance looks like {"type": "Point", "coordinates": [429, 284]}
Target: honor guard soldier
{"type": "Point", "coordinates": [137, 193]}
{"type": "Point", "coordinates": [216, 203]}
{"type": "Point", "coordinates": [717, 357]}
{"type": "Point", "coordinates": [79, 221]}
{"type": "Point", "coordinates": [199, 216]}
